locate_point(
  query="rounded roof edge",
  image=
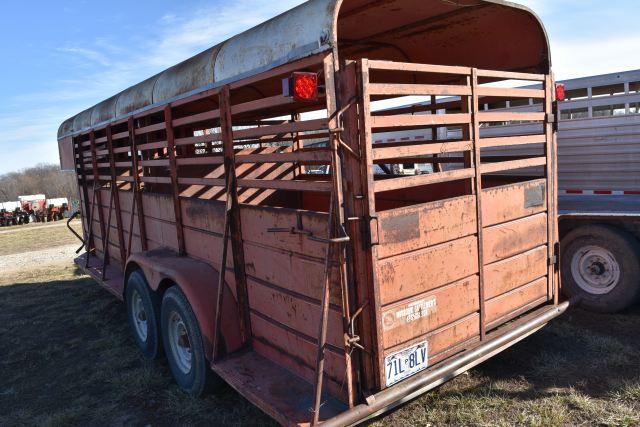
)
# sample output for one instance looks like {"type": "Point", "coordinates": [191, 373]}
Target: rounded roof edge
{"type": "Point", "coordinates": [295, 34]}
{"type": "Point", "coordinates": [194, 73]}
{"type": "Point", "coordinates": [135, 97]}
{"type": "Point", "coordinates": [305, 30]}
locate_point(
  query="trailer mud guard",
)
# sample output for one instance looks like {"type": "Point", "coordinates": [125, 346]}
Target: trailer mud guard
{"type": "Point", "coordinates": [199, 282]}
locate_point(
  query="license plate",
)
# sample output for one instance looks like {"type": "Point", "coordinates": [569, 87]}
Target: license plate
{"type": "Point", "coordinates": [405, 363]}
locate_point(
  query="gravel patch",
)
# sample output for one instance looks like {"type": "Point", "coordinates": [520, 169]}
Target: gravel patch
{"type": "Point", "coordinates": [46, 257]}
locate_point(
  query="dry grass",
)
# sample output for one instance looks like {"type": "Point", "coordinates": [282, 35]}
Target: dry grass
{"type": "Point", "coordinates": [27, 238]}
{"type": "Point", "coordinates": [68, 359]}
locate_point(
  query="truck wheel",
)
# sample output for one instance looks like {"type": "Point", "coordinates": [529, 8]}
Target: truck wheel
{"type": "Point", "coordinates": [183, 345]}
{"type": "Point", "coordinates": [143, 309]}
{"type": "Point", "coordinates": [601, 265]}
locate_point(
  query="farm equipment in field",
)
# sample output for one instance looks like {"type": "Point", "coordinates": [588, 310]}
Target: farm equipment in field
{"type": "Point", "coordinates": [41, 209]}
{"type": "Point", "coordinates": [56, 209]}
{"type": "Point", "coordinates": [35, 208]}
{"type": "Point", "coordinates": [11, 213]}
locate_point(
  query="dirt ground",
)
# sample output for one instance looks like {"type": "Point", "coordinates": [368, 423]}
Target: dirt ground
{"type": "Point", "coordinates": [67, 358]}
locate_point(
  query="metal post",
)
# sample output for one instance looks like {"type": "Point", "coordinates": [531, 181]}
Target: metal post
{"type": "Point", "coordinates": [173, 171]}
{"type": "Point", "coordinates": [235, 225]}
{"type": "Point", "coordinates": [116, 195]}
{"type": "Point", "coordinates": [136, 186]}
{"type": "Point", "coordinates": [477, 164]}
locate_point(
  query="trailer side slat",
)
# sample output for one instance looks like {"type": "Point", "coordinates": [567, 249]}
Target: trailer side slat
{"type": "Point", "coordinates": [420, 180]}
{"type": "Point", "coordinates": [419, 149]}
{"type": "Point", "coordinates": [416, 121]}
{"type": "Point", "coordinates": [413, 89]}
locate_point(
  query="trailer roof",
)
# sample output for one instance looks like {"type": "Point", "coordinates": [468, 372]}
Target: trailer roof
{"type": "Point", "coordinates": [485, 33]}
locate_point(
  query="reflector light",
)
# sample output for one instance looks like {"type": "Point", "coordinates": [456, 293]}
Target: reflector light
{"type": "Point", "coordinates": [560, 92]}
{"type": "Point", "coordinates": [302, 86]}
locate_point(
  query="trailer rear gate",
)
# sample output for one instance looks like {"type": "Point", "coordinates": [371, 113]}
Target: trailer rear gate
{"type": "Point", "coordinates": [332, 280]}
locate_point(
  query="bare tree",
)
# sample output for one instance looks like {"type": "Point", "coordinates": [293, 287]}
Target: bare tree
{"type": "Point", "coordinates": [44, 178]}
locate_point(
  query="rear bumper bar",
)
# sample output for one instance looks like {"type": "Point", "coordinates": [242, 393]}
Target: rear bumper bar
{"type": "Point", "coordinates": [421, 383]}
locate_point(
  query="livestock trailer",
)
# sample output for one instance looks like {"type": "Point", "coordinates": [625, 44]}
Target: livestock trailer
{"type": "Point", "coordinates": [598, 180]}
{"type": "Point", "coordinates": [325, 297]}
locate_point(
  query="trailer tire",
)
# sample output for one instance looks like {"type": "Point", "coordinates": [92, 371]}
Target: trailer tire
{"type": "Point", "coordinates": [143, 311]}
{"type": "Point", "coordinates": [601, 266]}
{"type": "Point", "coordinates": [183, 345]}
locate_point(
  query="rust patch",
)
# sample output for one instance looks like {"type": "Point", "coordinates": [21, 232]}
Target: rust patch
{"type": "Point", "coordinates": [401, 228]}
{"type": "Point", "coordinates": [534, 196]}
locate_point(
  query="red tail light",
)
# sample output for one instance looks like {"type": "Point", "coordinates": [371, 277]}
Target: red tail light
{"type": "Point", "coordinates": [301, 86]}
{"type": "Point", "coordinates": [560, 93]}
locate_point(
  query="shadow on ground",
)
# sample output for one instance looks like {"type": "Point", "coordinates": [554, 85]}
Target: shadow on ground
{"type": "Point", "coordinates": [67, 358]}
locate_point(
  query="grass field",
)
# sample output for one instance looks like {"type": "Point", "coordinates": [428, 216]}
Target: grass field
{"type": "Point", "coordinates": [67, 358]}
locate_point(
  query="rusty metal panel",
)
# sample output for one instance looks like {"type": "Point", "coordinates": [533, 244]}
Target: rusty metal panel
{"type": "Point", "coordinates": [510, 302]}
{"type": "Point", "coordinates": [67, 158]}
{"type": "Point", "coordinates": [511, 273]}
{"type": "Point", "coordinates": [417, 316]}
{"type": "Point", "coordinates": [514, 201]}
{"type": "Point", "coordinates": [448, 340]}
{"type": "Point", "coordinates": [158, 206]}
{"type": "Point", "coordinates": [294, 311]}
{"type": "Point", "coordinates": [292, 345]}
{"type": "Point", "coordinates": [511, 238]}
{"type": "Point", "coordinates": [407, 229]}
{"type": "Point", "coordinates": [411, 274]}
{"type": "Point", "coordinates": [303, 275]}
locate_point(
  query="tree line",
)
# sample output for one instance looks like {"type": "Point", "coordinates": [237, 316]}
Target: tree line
{"type": "Point", "coordinates": [44, 178]}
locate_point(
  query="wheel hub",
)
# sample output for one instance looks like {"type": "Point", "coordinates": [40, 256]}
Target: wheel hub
{"type": "Point", "coordinates": [139, 316]}
{"type": "Point", "coordinates": [179, 343]}
{"type": "Point", "coordinates": [595, 269]}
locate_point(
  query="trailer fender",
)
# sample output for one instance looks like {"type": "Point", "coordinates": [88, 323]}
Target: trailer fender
{"type": "Point", "coordinates": [198, 280]}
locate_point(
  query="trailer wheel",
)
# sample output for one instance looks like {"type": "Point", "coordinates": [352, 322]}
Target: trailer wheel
{"type": "Point", "coordinates": [184, 347]}
{"type": "Point", "coordinates": [143, 310]}
{"type": "Point", "coordinates": [601, 266]}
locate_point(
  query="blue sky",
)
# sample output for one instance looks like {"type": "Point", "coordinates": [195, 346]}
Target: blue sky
{"type": "Point", "coordinates": [61, 57]}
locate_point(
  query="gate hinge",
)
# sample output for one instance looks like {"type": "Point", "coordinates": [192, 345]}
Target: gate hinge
{"type": "Point", "coordinates": [550, 118]}
{"type": "Point", "coordinates": [373, 235]}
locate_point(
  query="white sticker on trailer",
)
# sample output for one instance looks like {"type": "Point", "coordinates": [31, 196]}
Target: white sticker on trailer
{"type": "Point", "coordinates": [405, 363]}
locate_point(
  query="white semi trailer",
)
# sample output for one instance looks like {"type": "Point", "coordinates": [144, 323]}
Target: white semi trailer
{"type": "Point", "coordinates": [598, 178]}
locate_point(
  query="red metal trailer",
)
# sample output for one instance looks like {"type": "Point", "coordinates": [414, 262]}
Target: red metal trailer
{"type": "Point", "coordinates": [325, 297]}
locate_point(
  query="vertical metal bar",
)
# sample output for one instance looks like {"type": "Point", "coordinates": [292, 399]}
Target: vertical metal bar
{"type": "Point", "coordinates": [116, 196]}
{"type": "Point", "coordinates": [437, 167]}
{"type": "Point", "coordinates": [105, 243]}
{"type": "Point", "coordinates": [356, 278]}
{"type": "Point", "coordinates": [85, 193]}
{"type": "Point", "coordinates": [217, 328]}
{"type": "Point", "coordinates": [235, 224]}
{"type": "Point", "coordinates": [173, 171]}
{"type": "Point", "coordinates": [97, 185]}
{"type": "Point", "coordinates": [131, 222]}
{"type": "Point", "coordinates": [297, 146]}
{"type": "Point", "coordinates": [324, 316]}
{"type": "Point", "coordinates": [91, 215]}
{"type": "Point", "coordinates": [467, 134]}
{"type": "Point", "coordinates": [366, 138]}
{"type": "Point", "coordinates": [136, 180]}
{"type": "Point", "coordinates": [477, 162]}
{"type": "Point", "coordinates": [549, 175]}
